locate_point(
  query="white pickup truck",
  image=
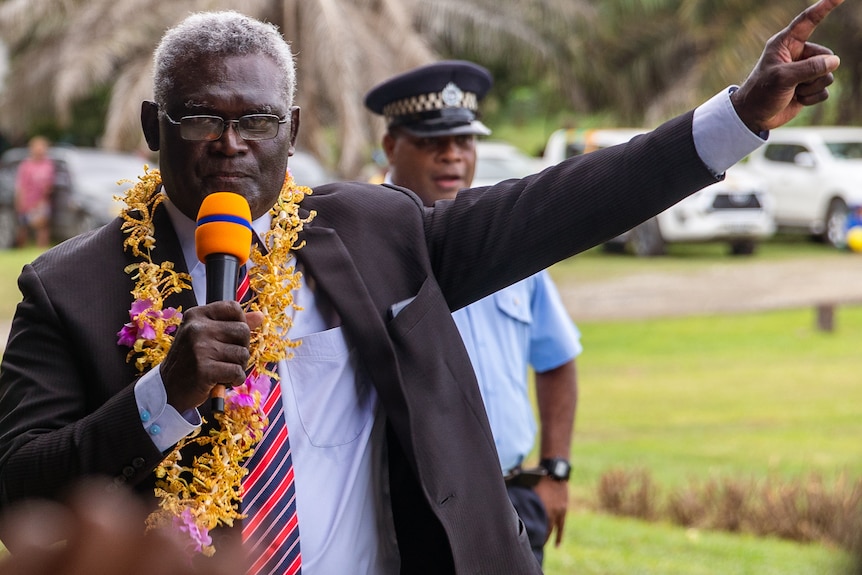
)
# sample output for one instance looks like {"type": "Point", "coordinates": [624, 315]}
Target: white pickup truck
{"type": "Point", "coordinates": [814, 176]}
{"type": "Point", "coordinates": [736, 210]}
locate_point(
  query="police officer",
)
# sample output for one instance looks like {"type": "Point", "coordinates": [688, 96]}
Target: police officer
{"type": "Point", "coordinates": [432, 120]}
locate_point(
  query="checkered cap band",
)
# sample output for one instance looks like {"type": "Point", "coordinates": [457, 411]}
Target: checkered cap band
{"type": "Point", "coordinates": [428, 103]}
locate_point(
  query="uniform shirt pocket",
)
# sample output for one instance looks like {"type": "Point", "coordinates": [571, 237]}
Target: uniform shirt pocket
{"type": "Point", "coordinates": [514, 302]}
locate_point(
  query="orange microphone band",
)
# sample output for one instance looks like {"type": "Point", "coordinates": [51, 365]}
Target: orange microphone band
{"type": "Point", "coordinates": [223, 226]}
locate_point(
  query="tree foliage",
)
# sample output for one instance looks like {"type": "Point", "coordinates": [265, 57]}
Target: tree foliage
{"type": "Point", "coordinates": [639, 61]}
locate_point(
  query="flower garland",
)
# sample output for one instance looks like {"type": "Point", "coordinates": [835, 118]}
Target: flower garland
{"type": "Point", "coordinates": [195, 499]}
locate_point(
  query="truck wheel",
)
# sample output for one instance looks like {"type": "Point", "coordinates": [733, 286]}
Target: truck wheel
{"type": "Point", "coordinates": [743, 247]}
{"type": "Point", "coordinates": [645, 240]}
{"type": "Point", "coordinates": [835, 232]}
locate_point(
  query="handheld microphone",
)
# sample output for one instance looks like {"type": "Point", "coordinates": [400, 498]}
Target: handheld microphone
{"type": "Point", "coordinates": [222, 242]}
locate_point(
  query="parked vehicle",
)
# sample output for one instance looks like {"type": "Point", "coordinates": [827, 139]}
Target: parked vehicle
{"type": "Point", "coordinates": [566, 143]}
{"type": "Point", "coordinates": [814, 175]}
{"type": "Point", "coordinates": [498, 161]}
{"type": "Point", "coordinates": [84, 189]}
{"type": "Point", "coordinates": [737, 210]}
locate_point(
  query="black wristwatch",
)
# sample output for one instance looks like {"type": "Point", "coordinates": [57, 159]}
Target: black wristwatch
{"type": "Point", "coordinates": [557, 468]}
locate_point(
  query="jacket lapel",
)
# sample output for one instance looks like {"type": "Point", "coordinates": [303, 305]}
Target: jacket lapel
{"type": "Point", "coordinates": [168, 249]}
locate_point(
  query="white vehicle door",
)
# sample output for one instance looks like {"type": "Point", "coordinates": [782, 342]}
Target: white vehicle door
{"type": "Point", "coordinates": [791, 173]}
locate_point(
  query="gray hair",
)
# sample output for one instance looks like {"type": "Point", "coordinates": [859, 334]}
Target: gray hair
{"type": "Point", "coordinates": [226, 33]}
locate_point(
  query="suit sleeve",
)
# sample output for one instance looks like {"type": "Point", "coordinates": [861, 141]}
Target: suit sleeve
{"type": "Point", "coordinates": [506, 232]}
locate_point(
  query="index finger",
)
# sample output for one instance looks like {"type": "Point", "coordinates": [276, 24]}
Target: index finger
{"type": "Point", "coordinates": [803, 25]}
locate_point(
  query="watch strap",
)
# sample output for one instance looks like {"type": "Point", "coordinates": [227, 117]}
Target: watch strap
{"type": "Point", "coordinates": [557, 468]}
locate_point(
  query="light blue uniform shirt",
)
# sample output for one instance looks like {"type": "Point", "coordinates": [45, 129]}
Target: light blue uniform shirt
{"type": "Point", "coordinates": [519, 326]}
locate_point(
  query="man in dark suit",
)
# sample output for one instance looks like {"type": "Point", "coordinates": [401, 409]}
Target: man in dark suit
{"type": "Point", "coordinates": [393, 462]}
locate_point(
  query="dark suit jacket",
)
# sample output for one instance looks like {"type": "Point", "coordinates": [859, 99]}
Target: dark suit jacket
{"type": "Point", "coordinates": [67, 406]}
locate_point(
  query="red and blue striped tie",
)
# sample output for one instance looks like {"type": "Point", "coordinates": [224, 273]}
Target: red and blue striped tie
{"type": "Point", "coordinates": [270, 532]}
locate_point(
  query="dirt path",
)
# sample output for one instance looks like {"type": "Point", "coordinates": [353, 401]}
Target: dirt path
{"type": "Point", "coordinates": [735, 286]}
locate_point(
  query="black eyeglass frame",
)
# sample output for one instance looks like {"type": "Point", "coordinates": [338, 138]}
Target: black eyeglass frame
{"type": "Point", "coordinates": [219, 132]}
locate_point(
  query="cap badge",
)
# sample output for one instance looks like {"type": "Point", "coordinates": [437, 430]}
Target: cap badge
{"type": "Point", "coordinates": [451, 95]}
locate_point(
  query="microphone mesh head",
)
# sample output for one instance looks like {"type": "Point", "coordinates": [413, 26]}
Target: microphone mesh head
{"type": "Point", "coordinates": [224, 226]}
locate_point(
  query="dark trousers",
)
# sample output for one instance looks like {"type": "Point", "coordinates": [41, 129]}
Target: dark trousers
{"type": "Point", "coordinates": [533, 514]}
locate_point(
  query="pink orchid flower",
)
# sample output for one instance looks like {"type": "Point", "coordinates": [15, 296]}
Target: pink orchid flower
{"type": "Point", "coordinates": [243, 395]}
{"type": "Point", "coordinates": [143, 317]}
{"type": "Point", "coordinates": [199, 536]}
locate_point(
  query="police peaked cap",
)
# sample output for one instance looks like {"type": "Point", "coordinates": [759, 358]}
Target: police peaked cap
{"type": "Point", "coordinates": [439, 99]}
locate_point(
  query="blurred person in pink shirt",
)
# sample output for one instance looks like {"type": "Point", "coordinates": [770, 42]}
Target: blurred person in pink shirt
{"type": "Point", "coordinates": [33, 194]}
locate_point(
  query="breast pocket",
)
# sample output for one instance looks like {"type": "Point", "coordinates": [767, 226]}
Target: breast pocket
{"type": "Point", "coordinates": [335, 401]}
{"type": "Point", "coordinates": [514, 302]}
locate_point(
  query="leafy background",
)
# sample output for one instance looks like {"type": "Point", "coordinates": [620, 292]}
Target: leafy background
{"type": "Point", "coordinates": [78, 69]}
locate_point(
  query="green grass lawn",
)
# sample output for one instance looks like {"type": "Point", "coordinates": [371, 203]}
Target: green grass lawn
{"type": "Point", "coordinates": [11, 262]}
{"type": "Point", "coordinates": [604, 545]}
{"type": "Point", "coordinates": [750, 396]}
{"type": "Point", "coordinates": [759, 393]}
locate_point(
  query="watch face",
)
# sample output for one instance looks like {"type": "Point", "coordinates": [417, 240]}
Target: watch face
{"type": "Point", "coordinates": [557, 468]}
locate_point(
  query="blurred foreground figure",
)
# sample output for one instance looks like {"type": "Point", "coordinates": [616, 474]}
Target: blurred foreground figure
{"type": "Point", "coordinates": [99, 531]}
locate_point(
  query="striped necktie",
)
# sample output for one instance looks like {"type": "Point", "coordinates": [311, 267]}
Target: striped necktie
{"type": "Point", "coordinates": [270, 532]}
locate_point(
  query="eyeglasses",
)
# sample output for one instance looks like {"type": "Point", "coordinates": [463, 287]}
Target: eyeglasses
{"type": "Point", "coordinates": [251, 127]}
{"type": "Point", "coordinates": [439, 144]}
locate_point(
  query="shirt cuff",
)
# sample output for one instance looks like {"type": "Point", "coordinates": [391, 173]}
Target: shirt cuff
{"type": "Point", "coordinates": [720, 137]}
{"type": "Point", "coordinates": [164, 424]}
